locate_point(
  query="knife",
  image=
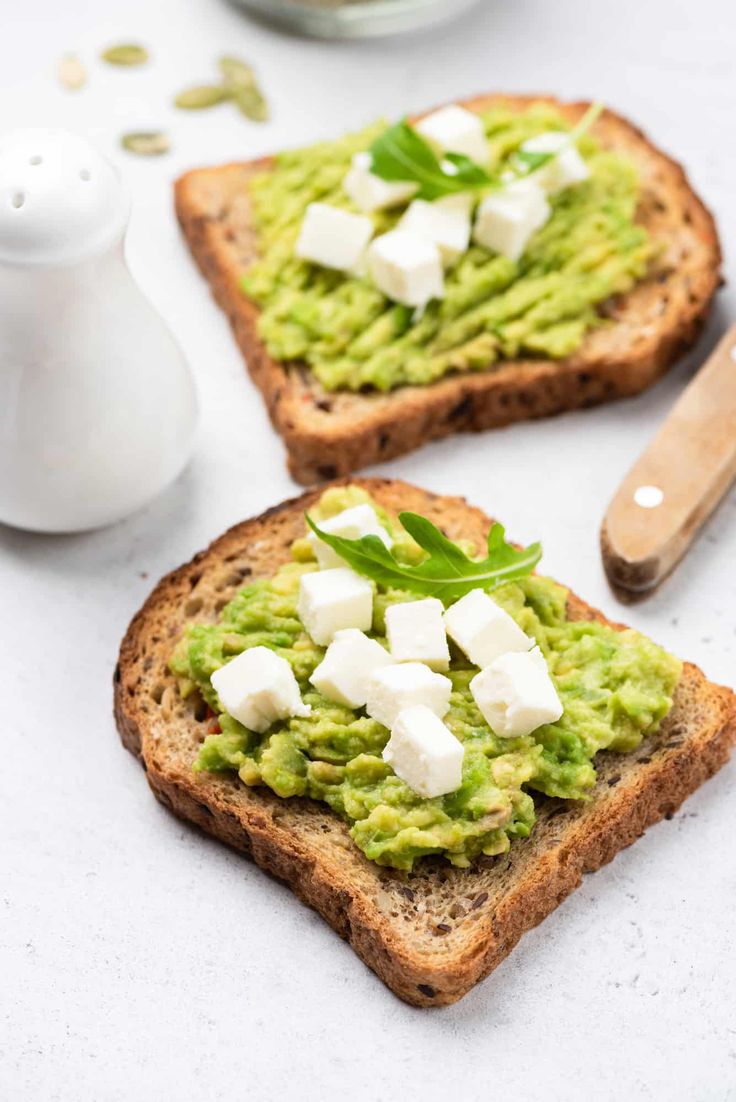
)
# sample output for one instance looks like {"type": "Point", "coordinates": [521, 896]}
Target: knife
{"type": "Point", "coordinates": [675, 485]}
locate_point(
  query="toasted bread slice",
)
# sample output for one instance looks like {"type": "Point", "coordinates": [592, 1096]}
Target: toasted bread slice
{"type": "Point", "coordinates": [432, 934]}
{"type": "Point", "coordinates": [328, 435]}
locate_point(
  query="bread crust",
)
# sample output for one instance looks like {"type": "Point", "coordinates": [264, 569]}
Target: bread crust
{"type": "Point", "coordinates": [432, 934]}
{"type": "Point", "coordinates": [330, 434]}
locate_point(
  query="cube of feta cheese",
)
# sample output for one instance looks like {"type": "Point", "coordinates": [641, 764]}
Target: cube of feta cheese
{"type": "Point", "coordinates": [507, 218]}
{"type": "Point", "coordinates": [343, 673]}
{"type": "Point", "coordinates": [516, 694]}
{"type": "Point", "coordinates": [406, 268]}
{"type": "Point", "coordinates": [416, 633]}
{"type": "Point", "coordinates": [446, 226]}
{"type": "Point", "coordinates": [482, 629]}
{"type": "Point", "coordinates": [352, 524]}
{"type": "Point", "coordinates": [331, 600]}
{"type": "Point", "coordinates": [333, 238]}
{"type": "Point", "coordinates": [452, 129]}
{"type": "Point", "coordinates": [370, 192]}
{"type": "Point", "coordinates": [396, 687]}
{"type": "Point", "coordinates": [424, 753]}
{"type": "Point", "coordinates": [460, 200]}
{"type": "Point", "coordinates": [257, 688]}
{"type": "Point", "coordinates": [567, 168]}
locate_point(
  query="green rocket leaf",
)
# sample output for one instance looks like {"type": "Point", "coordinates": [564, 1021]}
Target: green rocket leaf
{"type": "Point", "coordinates": [400, 153]}
{"type": "Point", "coordinates": [446, 572]}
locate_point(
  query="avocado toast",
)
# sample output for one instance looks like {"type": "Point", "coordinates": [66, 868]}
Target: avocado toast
{"type": "Point", "coordinates": [330, 430]}
{"type": "Point", "coordinates": [433, 932]}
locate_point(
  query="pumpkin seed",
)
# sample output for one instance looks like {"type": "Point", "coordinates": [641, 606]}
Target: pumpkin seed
{"type": "Point", "coordinates": [71, 72]}
{"type": "Point", "coordinates": [201, 96]}
{"type": "Point", "coordinates": [236, 73]}
{"type": "Point", "coordinates": [126, 54]}
{"type": "Point", "coordinates": [251, 103]}
{"type": "Point", "coordinates": [146, 143]}
{"type": "Point", "coordinates": [242, 87]}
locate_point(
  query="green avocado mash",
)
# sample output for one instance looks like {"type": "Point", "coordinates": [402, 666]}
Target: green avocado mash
{"type": "Point", "coordinates": [615, 687]}
{"type": "Point", "coordinates": [493, 309]}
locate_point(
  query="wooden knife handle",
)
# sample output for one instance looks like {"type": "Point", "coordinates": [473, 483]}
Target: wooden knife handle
{"type": "Point", "coordinates": [674, 486]}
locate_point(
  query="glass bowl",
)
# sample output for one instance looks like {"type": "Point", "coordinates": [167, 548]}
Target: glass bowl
{"type": "Point", "coordinates": [355, 18]}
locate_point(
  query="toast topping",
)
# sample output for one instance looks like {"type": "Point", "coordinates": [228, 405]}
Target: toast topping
{"type": "Point", "coordinates": [258, 688]}
{"type": "Point", "coordinates": [507, 219]}
{"type": "Point", "coordinates": [332, 600]}
{"type": "Point", "coordinates": [424, 753]}
{"type": "Point", "coordinates": [614, 687]}
{"type": "Point", "coordinates": [416, 633]}
{"type": "Point", "coordinates": [530, 288]}
{"type": "Point", "coordinates": [369, 192]}
{"type": "Point", "coordinates": [392, 689]}
{"type": "Point", "coordinates": [352, 524]}
{"type": "Point", "coordinates": [333, 238]}
{"type": "Point", "coordinates": [406, 267]}
{"type": "Point", "coordinates": [482, 629]}
{"type": "Point", "coordinates": [515, 693]}
{"type": "Point", "coordinates": [454, 129]}
{"type": "Point", "coordinates": [344, 672]}
{"type": "Point", "coordinates": [445, 223]}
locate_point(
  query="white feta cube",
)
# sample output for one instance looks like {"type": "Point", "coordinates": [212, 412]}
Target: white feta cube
{"type": "Point", "coordinates": [453, 129]}
{"type": "Point", "coordinates": [257, 688]}
{"type": "Point", "coordinates": [406, 268]}
{"type": "Point", "coordinates": [352, 524]}
{"type": "Point", "coordinates": [482, 629]}
{"type": "Point", "coordinates": [333, 238]}
{"type": "Point", "coordinates": [343, 673]}
{"type": "Point", "coordinates": [330, 600]}
{"type": "Point", "coordinates": [461, 200]}
{"type": "Point", "coordinates": [446, 226]}
{"type": "Point", "coordinates": [370, 192]}
{"type": "Point", "coordinates": [516, 694]}
{"type": "Point", "coordinates": [424, 753]}
{"type": "Point", "coordinates": [507, 218]}
{"type": "Point", "coordinates": [395, 687]}
{"type": "Point", "coordinates": [416, 633]}
{"type": "Point", "coordinates": [567, 168]}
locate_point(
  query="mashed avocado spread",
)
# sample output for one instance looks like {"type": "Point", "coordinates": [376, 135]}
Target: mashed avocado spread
{"type": "Point", "coordinates": [615, 687]}
{"type": "Point", "coordinates": [493, 309]}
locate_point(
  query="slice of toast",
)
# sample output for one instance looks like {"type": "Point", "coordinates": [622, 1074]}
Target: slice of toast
{"type": "Point", "coordinates": [432, 934]}
{"type": "Point", "coordinates": [330, 434]}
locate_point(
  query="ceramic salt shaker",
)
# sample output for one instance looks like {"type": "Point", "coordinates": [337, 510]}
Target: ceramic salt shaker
{"type": "Point", "coordinates": [97, 405]}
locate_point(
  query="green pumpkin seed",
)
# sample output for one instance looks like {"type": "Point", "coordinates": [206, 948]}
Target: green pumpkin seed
{"type": "Point", "coordinates": [71, 72]}
{"type": "Point", "coordinates": [251, 103]}
{"type": "Point", "coordinates": [201, 96]}
{"type": "Point", "coordinates": [146, 143]}
{"type": "Point", "coordinates": [126, 54]}
{"type": "Point", "coordinates": [243, 88]}
{"type": "Point", "coordinates": [236, 73]}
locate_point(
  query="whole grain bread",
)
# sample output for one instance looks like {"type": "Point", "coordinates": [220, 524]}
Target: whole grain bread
{"type": "Point", "coordinates": [433, 934]}
{"type": "Point", "coordinates": [328, 435]}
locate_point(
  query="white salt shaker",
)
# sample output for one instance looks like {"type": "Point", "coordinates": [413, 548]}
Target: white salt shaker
{"type": "Point", "coordinates": [97, 405]}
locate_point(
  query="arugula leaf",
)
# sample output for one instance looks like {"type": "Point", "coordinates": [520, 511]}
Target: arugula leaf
{"type": "Point", "coordinates": [447, 572]}
{"type": "Point", "coordinates": [462, 167]}
{"type": "Point", "coordinates": [530, 162]}
{"type": "Point", "coordinates": [526, 162]}
{"type": "Point", "coordinates": [401, 154]}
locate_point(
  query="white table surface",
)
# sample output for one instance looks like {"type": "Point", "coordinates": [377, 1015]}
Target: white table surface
{"type": "Point", "coordinates": [139, 960]}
